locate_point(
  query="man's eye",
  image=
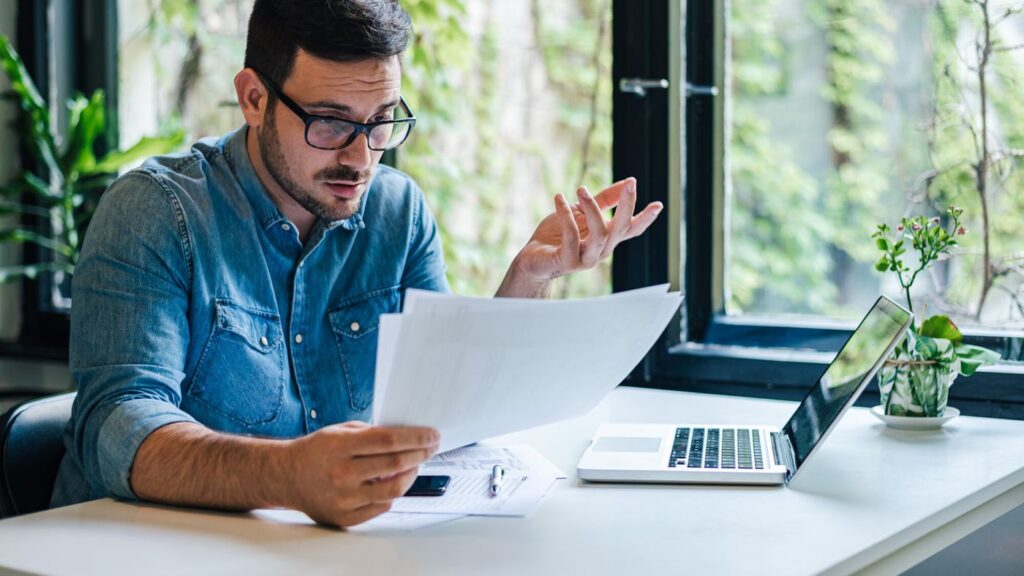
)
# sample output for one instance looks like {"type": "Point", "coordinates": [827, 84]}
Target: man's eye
{"type": "Point", "coordinates": [382, 118]}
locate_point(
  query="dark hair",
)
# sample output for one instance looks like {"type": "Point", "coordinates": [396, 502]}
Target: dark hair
{"type": "Point", "coordinates": [339, 30]}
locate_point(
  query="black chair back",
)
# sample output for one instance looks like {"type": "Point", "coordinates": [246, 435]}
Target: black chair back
{"type": "Point", "coordinates": [31, 449]}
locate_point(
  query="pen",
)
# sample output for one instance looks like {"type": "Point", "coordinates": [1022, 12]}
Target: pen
{"type": "Point", "coordinates": [497, 477]}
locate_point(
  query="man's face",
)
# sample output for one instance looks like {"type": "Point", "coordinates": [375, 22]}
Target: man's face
{"type": "Point", "coordinates": [328, 183]}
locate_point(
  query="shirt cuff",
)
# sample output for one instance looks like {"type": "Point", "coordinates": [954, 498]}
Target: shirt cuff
{"type": "Point", "coordinates": [123, 432]}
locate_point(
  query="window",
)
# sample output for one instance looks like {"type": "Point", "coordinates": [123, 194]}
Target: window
{"type": "Point", "coordinates": [513, 101]}
{"type": "Point", "coordinates": [803, 124]}
{"type": "Point", "coordinates": [65, 48]}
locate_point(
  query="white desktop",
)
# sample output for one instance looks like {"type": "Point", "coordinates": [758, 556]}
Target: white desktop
{"type": "Point", "coordinates": [876, 501]}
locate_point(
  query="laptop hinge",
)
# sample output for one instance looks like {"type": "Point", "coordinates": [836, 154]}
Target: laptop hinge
{"type": "Point", "coordinates": [783, 452]}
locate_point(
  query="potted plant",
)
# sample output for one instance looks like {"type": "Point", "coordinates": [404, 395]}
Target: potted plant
{"type": "Point", "coordinates": [53, 212]}
{"type": "Point", "coordinates": [915, 380]}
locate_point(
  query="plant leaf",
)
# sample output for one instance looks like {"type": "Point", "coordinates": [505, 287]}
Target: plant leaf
{"type": "Point", "coordinates": [940, 326]}
{"type": "Point", "coordinates": [973, 357]}
{"type": "Point", "coordinates": [8, 208]}
{"type": "Point", "coordinates": [86, 124]}
{"type": "Point", "coordinates": [148, 146]}
{"type": "Point", "coordinates": [21, 236]}
{"type": "Point", "coordinates": [36, 114]}
{"type": "Point", "coordinates": [8, 273]}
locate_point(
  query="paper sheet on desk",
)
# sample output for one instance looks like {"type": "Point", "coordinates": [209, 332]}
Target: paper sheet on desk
{"type": "Point", "coordinates": [480, 367]}
{"type": "Point", "coordinates": [528, 478]}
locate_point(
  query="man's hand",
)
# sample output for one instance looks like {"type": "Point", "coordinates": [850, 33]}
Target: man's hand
{"type": "Point", "coordinates": [349, 473]}
{"type": "Point", "coordinates": [577, 237]}
{"type": "Point", "coordinates": [341, 475]}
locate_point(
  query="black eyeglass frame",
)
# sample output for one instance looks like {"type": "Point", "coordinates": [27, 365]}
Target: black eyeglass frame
{"type": "Point", "coordinates": [360, 128]}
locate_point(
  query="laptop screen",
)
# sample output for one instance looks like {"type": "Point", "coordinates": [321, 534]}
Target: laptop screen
{"type": "Point", "coordinates": [855, 363]}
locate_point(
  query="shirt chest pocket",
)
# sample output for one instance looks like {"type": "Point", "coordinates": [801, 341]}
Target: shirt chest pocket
{"type": "Point", "coordinates": [242, 371]}
{"type": "Point", "coordinates": [354, 325]}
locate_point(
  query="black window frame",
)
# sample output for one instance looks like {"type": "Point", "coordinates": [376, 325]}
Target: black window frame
{"type": "Point", "coordinates": [704, 349]}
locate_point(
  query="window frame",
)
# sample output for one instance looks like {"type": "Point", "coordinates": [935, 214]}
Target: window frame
{"type": "Point", "coordinates": [87, 60]}
{"type": "Point", "coordinates": [704, 349]}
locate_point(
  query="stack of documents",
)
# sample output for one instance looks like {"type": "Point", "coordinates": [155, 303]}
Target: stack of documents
{"type": "Point", "coordinates": [528, 477]}
{"type": "Point", "coordinates": [479, 367]}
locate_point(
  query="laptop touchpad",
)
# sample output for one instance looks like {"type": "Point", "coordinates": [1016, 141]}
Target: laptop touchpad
{"type": "Point", "coordinates": [627, 444]}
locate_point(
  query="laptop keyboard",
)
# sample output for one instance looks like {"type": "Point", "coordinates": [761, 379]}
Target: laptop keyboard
{"type": "Point", "coordinates": [719, 448]}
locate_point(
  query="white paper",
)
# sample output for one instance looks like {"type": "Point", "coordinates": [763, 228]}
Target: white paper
{"type": "Point", "coordinates": [528, 477]}
{"type": "Point", "coordinates": [480, 367]}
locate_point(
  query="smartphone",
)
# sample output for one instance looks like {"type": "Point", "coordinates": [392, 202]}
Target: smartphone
{"type": "Point", "coordinates": [429, 486]}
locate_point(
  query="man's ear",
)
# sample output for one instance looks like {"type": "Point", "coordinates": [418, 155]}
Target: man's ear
{"type": "Point", "coordinates": [253, 97]}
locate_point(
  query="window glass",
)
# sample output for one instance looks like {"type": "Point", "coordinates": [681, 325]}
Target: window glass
{"type": "Point", "coordinates": [843, 114]}
{"type": "Point", "coordinates": [513, 101]}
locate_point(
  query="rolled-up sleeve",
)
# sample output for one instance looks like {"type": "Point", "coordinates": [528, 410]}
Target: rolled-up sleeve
{"type": "Point", "coordinates": [425, 267]}
{"type": "Point", "coordinates": [129, 329]}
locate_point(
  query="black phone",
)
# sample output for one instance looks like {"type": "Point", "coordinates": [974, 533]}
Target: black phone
{"type": "Point", "coordinates": [429, 486]}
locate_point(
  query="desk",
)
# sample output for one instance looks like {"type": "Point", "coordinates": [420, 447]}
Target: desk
{"type": "Point", "coordinates": [873, 500]}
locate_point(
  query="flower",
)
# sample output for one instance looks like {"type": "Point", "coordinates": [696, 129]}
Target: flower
{"type": "Point", "coordinates": [935, 221]}
{"type": "Point", "coordinates": [961, 231]}
{"type": "Point", "coordinates": [900, 229]}
{"type": "Point", "coordinates": [916, 227]}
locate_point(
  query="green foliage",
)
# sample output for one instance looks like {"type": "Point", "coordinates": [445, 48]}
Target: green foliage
{"type": "Point", "coordinates": [859, 35]}
{"type": "Point", "coordinates": [65, 202]}
{"type": "Point", "coordinates": [777, 261]}
{"type": "Point", "coordinates": [940, 326]}
{"type": "Point", "coordinates": [469, 167]}
{"type": "Point", "coordinates": [928, 237]}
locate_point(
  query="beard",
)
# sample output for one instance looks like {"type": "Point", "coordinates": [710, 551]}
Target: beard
{"type": "Point", "coordinates": [277, 165]}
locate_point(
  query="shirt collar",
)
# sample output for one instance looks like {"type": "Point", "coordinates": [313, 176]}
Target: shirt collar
{"type": "Point", "coordinates": [266, 211]}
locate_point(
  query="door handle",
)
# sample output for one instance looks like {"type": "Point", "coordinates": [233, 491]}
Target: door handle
{"type": "Point", "coordinates": [640, 86]}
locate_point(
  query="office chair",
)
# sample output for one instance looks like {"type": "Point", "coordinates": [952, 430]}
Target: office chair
{"type": "Point", "coordinates": [31, 448]}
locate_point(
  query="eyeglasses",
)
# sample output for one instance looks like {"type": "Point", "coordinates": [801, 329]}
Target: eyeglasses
{"type": "Point", "coordinates": [329, 133]}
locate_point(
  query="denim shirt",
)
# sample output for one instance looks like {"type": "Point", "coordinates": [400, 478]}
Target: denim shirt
{"type": "Point", "coordinates": [195, 301]}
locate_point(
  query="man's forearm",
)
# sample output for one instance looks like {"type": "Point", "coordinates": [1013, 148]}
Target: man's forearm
{"type": "Point", "coordinates": [189, 464]}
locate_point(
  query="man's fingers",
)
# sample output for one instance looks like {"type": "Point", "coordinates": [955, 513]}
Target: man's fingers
{"type": "Point", "coordinates": [367, 467]}
{"type": "Point", "coordinates": [389, 439]}
{"type": "Point", "coordinates": [388, 490]}
{"type": "Point", "coordinates": [360, 515]}
{"type": "Point", "coordinates": [612, 195]}
{"type": "Point", "coordinates": [597, 230]}
{"type": "Point", "coordinates": [621, 221]}
{"type": "Point", "coordinates": [642, 221]}
{"type": "Point", "coordinates": [569, 252]}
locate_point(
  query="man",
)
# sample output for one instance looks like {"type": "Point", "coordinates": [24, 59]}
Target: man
{"type": "Point", "coordinates": [226, 300]}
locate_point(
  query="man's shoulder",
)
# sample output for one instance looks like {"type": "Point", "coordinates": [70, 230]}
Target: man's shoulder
{"type": "Point", "coordinates": [189, 166]}
{"type": "Point", "coordinates": [394, 181]}
{"type": "Point", "coordinates": [184, 178]}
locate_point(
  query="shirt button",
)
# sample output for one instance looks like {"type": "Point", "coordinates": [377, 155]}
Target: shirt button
{"type": "Point", "coordinates": [298, 338]}
{"type": "Point", "coordinates": [312, 414]}
{"type": "Point", "coordinates": [286, 227]}
{"type": "Point", "coordinates": [355, 326]}
{"type": "Point", "coordinates": [264, 341]}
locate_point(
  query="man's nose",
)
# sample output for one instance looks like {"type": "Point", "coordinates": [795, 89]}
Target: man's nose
{"type": "Point", "coordinates": [357, 154]}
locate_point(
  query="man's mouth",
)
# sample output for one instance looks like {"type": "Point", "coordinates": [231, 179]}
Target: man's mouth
{"type": "Point", "coordinates": [345, 190]}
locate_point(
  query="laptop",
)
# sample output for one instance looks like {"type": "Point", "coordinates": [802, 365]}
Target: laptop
{"type": "Point", "coordinates": [749, 454]}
